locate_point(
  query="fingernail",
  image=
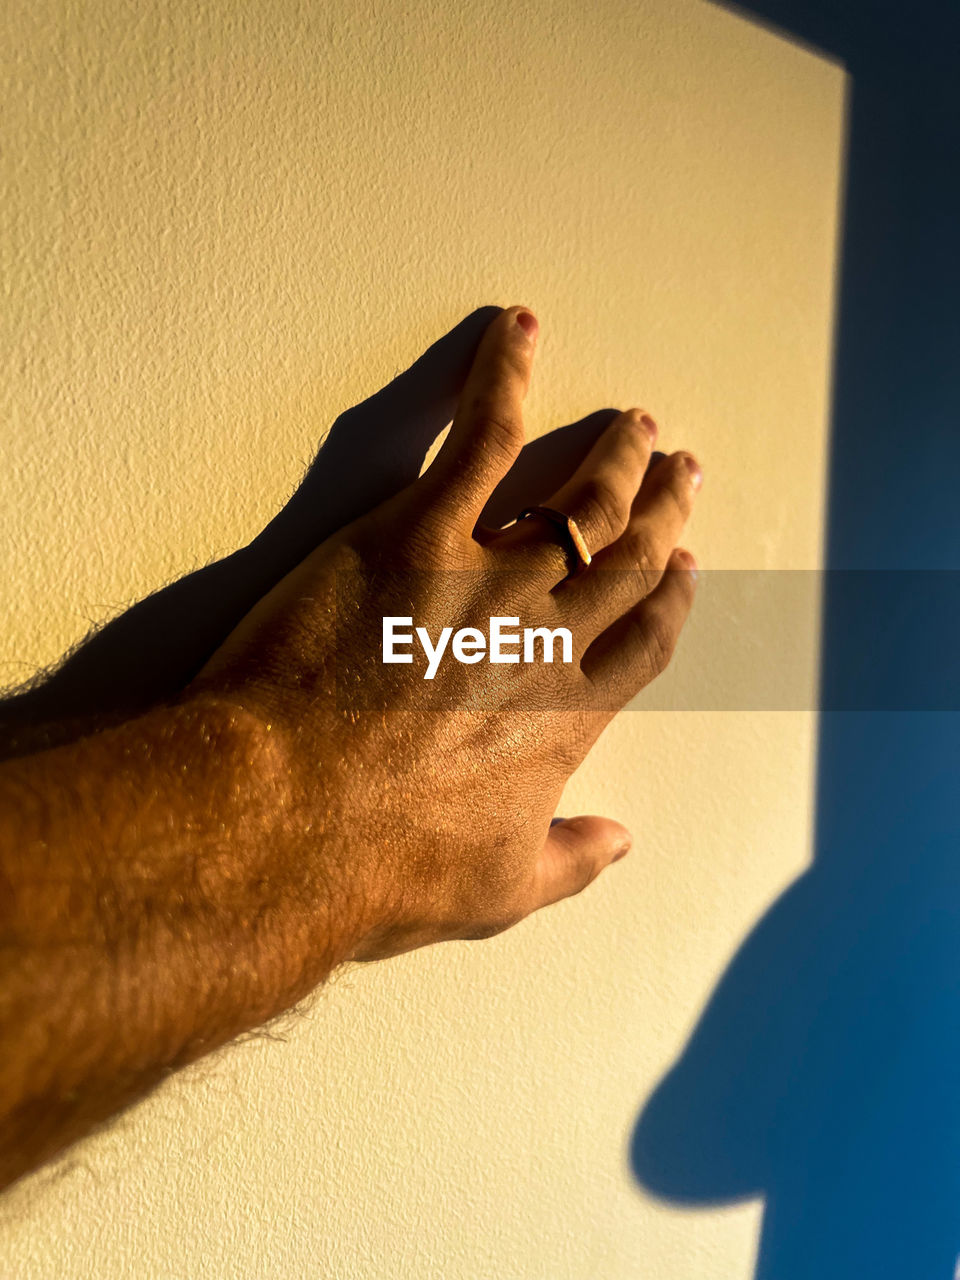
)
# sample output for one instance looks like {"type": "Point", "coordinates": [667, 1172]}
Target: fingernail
{"type": "Point", "coordinates": [689, 563]}
{"type": "Point", "coordinates": [652, 428]}
{"type": "Point", "coordinates": [528, 323]}
{"type": "Point", "coordinates": [693, 466]}
{"type": "Point", "coordinates": [626, 840]}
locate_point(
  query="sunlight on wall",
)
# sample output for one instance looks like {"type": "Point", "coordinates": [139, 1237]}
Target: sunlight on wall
{"type": "Point", "coordinates": [227, 223]}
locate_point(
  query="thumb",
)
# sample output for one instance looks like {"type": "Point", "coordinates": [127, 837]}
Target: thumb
{"type": "Point", "coordinates": [575, 852]}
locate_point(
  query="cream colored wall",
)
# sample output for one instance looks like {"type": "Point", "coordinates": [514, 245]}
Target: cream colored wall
{"type": "Point", "coordinates": [228, 221]}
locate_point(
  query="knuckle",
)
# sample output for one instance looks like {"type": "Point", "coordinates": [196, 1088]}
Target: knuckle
{"type": "Point", "coordinates": [659, 642]}
{"type": "Point", "coordinates": [433, 549]}
{"type": "Point", "coordinates": [493, 423]}
{"type": "Point", "coordinates": [642, 554]}
{"type": "Point", "coordinates": [603, 509]}
{"type": "Point", "coordinates": [583, 876]}
{"type": "Point", "coordinates": [428, 542]}
{"type": "Point", "coordinates": [516, 361]}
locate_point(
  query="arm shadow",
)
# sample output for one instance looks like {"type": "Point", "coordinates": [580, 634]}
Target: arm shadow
{"type": "Point", "coordinates": [151, 651]}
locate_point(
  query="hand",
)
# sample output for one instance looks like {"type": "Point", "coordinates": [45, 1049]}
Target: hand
{"type": "Point", "coordinates": [147, 654]}
{"type": "Point", "coordinates": [421, 825]}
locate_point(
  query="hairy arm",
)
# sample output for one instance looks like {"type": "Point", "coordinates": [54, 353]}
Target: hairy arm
{"type": "Point", "coordinates": [153, 905]}
{"type": "Point", "coordinates": [174, 880]}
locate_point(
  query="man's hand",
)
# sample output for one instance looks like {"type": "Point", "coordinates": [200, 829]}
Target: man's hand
{"type": "Point", "coordinates": [430, 824]}
{"type": "Point", "coordinates": [185, 876]}
{"type": "Point", "coordinates": [147, 654]}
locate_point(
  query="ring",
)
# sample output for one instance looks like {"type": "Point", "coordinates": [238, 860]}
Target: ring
{"type": "Point", "coordinates": [578, 555]}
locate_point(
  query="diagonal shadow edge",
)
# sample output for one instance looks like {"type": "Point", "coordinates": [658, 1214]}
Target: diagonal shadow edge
{"type": "Point", "coordinates": [819, 1075]}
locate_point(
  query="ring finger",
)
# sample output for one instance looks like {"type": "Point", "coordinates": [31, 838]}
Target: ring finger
{"type": "Point", "coordinates": [631, 568]}
{"type": "Point", "coordinates": [598, 496]}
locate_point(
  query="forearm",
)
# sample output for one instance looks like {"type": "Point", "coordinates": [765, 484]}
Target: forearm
{"type": "Point", "coordinates": [29, 725]}
{"type": "Point", "coordinates": [157, 900]}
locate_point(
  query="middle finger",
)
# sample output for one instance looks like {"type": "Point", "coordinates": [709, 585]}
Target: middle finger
{"type": "Point", "coordinates": [632, 566]}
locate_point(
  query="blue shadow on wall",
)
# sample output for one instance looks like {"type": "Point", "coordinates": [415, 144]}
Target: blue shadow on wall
{"type": "Point", "coordinates": [824, 1074]}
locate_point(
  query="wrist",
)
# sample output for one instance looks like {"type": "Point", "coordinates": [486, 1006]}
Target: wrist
{"type": "Point", "coordinates": [283, 920]}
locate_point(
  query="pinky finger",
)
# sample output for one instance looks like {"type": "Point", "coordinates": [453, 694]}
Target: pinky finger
{"type": "Point", "coordinates": [636, 648]}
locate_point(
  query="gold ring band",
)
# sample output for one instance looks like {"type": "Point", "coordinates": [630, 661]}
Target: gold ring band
{"type": "Point", "coordinates": [577, 552]}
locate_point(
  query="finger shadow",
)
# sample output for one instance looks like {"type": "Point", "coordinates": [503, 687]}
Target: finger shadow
{"type": "Point", "coordinates": [152, 650]}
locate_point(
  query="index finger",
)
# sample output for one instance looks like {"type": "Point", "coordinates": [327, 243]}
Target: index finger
{"type": "Point", "coordinates": [487, 432]}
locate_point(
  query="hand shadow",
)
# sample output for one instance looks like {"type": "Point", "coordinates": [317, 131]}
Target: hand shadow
{"type": "Point", "coordinates": [153, 649]}
{"type": "Point", "coordinates": [823, 1073]}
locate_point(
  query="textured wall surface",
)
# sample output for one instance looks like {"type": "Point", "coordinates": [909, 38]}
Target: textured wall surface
{"type": "Point", "coordinates": [225, 223]}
